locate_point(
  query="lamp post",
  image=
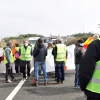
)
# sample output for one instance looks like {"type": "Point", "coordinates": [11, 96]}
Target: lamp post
{"type": "Point", "coordinates": [99, 28]}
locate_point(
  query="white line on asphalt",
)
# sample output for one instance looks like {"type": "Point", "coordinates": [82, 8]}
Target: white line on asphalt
{"type": "Point", "coordinates": [16, 89]}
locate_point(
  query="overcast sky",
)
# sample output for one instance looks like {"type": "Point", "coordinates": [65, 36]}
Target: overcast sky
{"type": "Point", "coordinates": [63, 17]}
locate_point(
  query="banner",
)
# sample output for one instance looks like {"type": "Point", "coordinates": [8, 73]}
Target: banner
{"type": "Point", "coordinates": [50, 66]}
{"type": "Point", "coordinates": [69, 63]}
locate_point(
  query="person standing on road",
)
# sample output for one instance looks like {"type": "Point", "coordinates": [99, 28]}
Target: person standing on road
{"type": "Point", "coordinates": [25, 52]}
{"type": "Point", "coordinates": [78, 56]}
{"type": "Point", "coordinates": [61, 56]}
{"type": "Point", "coordinates": [17, 61]}
{"type": "Point", "coordinates": [89, 71]}
{"type": "Point", "coordinates": [8, 60]}
{"type": "Point", "coordinates": [39, 54]}
{"type": "Point", "coordinates": [54, 55]}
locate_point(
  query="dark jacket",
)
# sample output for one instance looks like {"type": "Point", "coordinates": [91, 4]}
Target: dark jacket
{"type": "Point", "coordinates": [40, 53]}
{"type": "Point", "coordinates": [87, 67]}
{"type": "Point", "coordinates": [54, 53]}
{"type": "Point", "coordinates": [78, 55]}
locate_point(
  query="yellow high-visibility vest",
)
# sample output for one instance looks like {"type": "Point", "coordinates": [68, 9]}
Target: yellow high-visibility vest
{"type": "Point", "coordinates": [94, 83]}
{"type": "Point", "coordinates": [10, 56]}
{"type": "Point", "coordinates": [61, 52]}
{"type": "Point", "coordinates": [25, 53]}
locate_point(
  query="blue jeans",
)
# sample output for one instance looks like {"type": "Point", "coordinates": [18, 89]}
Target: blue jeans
{"type": "Point", "coordinates": [76, 74]}
{"type": "Point", "coordinates": [60, 71]}
{"type": "Point", "coordinates": [43, 67]}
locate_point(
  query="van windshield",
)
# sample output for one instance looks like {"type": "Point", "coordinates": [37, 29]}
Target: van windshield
{"type": "Point", "coordinates": [33, 41]}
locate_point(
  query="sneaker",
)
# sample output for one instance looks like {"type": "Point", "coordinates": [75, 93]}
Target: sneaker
{"type": "Point", "coordinates": [45, 83]}
{"type": "Point", "coordinates": [9, 81]}
{"type": "Point", "coordinates": [77, 87]}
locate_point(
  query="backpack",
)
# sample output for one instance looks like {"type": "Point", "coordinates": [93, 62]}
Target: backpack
{"type": "Point", "coordinates": [16, 55]}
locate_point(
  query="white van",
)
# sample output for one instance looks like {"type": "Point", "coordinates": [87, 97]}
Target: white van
{"type": "Point", "coordinates": [33, 40]}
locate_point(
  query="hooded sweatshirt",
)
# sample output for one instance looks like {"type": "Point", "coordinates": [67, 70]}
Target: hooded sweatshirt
{"type": "Point", "coordinates": [40, 53]}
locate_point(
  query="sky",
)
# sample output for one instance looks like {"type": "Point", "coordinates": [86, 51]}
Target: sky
{"type": "Point", "coordinates": [45, 17]}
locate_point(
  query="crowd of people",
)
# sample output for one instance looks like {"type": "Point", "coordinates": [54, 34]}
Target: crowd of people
{"type": "Point", "coordinates": [23, 54]}
{"type": "Point", "coordinates": [87, 63]}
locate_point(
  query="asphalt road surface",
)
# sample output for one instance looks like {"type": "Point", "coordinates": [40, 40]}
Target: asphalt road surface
{"type": "Point", "coordinates": [25, 90]}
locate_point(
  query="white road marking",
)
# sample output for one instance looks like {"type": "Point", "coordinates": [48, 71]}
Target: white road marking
{"type": "Point", "coordinates": [16, 89]}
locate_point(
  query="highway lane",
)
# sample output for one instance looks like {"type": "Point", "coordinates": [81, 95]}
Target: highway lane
{"type": "Point", "coordinates": [64, 91]}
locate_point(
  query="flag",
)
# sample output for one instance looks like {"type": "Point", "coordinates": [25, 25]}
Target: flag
{"type": "Point", "coordinates": [87, 42]}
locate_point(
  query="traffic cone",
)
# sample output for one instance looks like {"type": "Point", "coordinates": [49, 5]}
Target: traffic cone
{"type": "Point", "coordinates": [65, 67]}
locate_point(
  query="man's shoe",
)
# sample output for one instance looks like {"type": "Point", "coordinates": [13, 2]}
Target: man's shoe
{"type": "Point", "coordinates": [9, 81]}
{"type": "Point", "coordinates": [45, 83]}
{"type": "Point", "coordinates": [56, 83]}
{"type": "Point", "coordinates": [35, 84]}
{"type": "Point", "coordinates": [77, 87]}
{"type": "Point", "coordinates": [62, 82]}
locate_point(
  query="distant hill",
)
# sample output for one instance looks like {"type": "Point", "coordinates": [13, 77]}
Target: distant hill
{"type": "Point", "coordinates": [71, 38]}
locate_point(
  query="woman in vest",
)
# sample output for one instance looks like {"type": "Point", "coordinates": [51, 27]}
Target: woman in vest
{"type": "Point", "coordinates": [18, 69]}
{"type": "Point", "coordinates": [8, 60]}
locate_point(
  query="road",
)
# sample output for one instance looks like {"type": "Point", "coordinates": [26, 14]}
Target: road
{"type": "Point", "coordinates": [20, 89]}
{"type": "Point", "coordinates": [64, 91]}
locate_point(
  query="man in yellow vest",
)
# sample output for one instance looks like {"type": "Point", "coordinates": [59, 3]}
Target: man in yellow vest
{"type": "Point", "coordinates": [25, 52]}
{"type": "Point", "coordinates": [60, 59]}
{"type": "Point", "coordinates": [89, 71]}
{"type": "Point", "coordinates": [8, 60]}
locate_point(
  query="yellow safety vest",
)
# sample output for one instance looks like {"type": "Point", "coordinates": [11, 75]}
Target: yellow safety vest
{"type": "Point", "coordinates": [17, 48]}
{"type": "Point", "coordinates": [10, 56]}
{"type": "Point", "coordinates": [94, 84]}
{"type": "Point", "coordinates": [25, 53]}
{"type": "Point", "coordinates": [61, 53]}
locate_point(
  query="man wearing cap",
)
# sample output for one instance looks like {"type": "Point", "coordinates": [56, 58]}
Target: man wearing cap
{"type": "Point", "coordinates": [78, 56]}
{"type": "Point", "coordinates": [60, 59]}
{"type": "Point", "coordinates": [8, 60]}
{"type": "Point", "coordinates": [25, 52]}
